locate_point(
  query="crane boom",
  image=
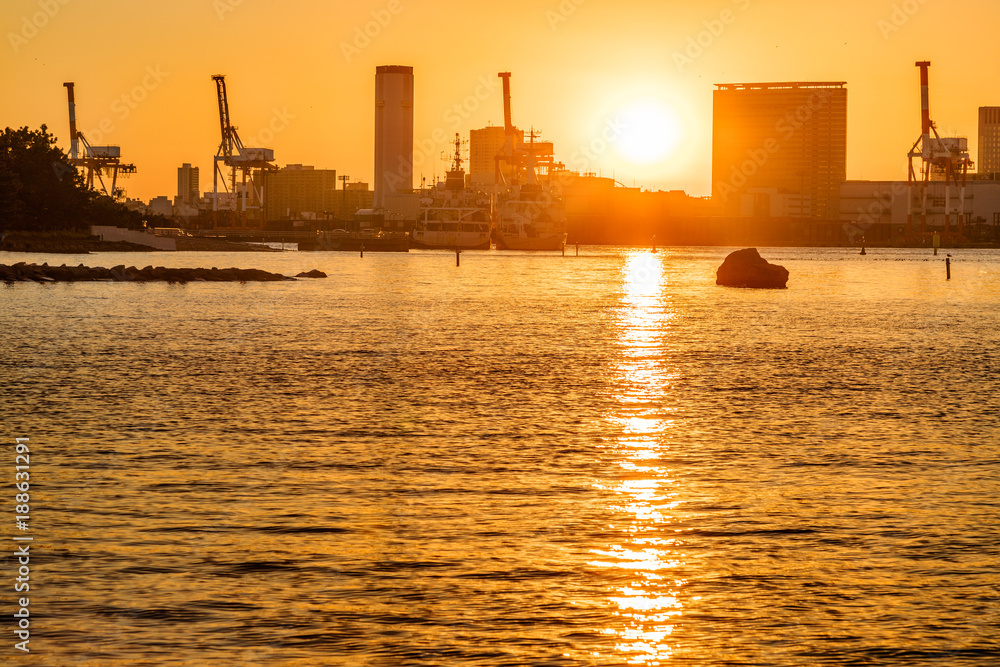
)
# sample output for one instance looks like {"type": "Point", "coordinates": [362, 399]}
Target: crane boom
{"type": "Point", "coordinates": [508, 125]}
{"type": "Point", "coordinates": [508, 154]}
{"type": "Point", "coordinates": [226, 147]}
{"type": "Point", "coordinates": [250, 163]}
{"type": "Point", "coordinates": [74, 146]}
{"type": "Point", "coordinates": [94, 159]}
{"type": "Point", "coordinates": [925, 98]}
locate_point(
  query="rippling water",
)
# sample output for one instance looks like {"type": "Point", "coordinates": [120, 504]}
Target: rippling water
{"type": "Point", "coordinates": [530, 459]}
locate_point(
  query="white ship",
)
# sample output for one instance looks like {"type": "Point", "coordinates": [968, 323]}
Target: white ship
{"type": "Point", "coordinates": [452, 216]}
{"type": "Point", "coordinates": [531, 219]}
{"type": "Point", "coordinates": [530, 216]}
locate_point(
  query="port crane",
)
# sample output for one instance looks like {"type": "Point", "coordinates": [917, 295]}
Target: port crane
{"type": "Point", "coordinates": [523, 161]}
{"type": "Point", "coordinates": [96, 160]}
{"type": "Point", "coordinates": [246, 167]}
{"type": "Point", "coordinates": [511, 153]}
{"type": "Point", "coordinates": [943, 158]}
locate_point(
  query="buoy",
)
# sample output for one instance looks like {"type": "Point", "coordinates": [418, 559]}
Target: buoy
{"type": "Point", "coordinates": [863, 251]}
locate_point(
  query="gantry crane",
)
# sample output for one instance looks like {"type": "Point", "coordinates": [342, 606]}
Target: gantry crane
{"type": "Point", "coordinates": [96, 159]}
{"type": "Point", "coordinates": [524, 161]}
{"type": "Point", "coordinates": [250, 163]}
{"type": "Point", "coordinates": [942, 157]}
{"type": "Point", "coordinates": [511, 153]}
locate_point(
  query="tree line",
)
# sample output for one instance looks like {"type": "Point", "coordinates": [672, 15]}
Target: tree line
{"type": "Point", "coordinates": [42, 191]}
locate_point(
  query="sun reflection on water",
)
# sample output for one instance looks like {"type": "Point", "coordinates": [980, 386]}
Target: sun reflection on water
{"type": "Point", "coordinates": [645, 495]}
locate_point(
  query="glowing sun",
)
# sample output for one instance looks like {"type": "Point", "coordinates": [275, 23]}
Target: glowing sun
{"type": "Point", "coordinates": [651, 132]}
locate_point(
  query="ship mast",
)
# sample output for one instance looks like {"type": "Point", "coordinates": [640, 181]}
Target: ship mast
{"type": "Point", "coordinates": [455, 179]}
{"type": "Point", "coordinates": [458, 153]}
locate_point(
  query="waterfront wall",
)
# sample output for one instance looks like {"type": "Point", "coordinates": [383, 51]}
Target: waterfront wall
{"type": "Point", "coordinates": [133, 236]}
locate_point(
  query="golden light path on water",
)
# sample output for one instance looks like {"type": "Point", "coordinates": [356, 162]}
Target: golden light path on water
{"type": "Point", "coordinates": [649, 605]}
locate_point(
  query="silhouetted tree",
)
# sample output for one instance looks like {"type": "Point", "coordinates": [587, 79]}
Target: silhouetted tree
{"type": "Point", "coordinates": [41, 191]}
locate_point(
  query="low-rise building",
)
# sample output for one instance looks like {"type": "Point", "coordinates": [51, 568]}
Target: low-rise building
{"type": "Point", "coordinates": [299, 190]}
{"type": "Point", "coordinates": [161, 206]}
{"type": "Point", "coordinates": [881, 211]}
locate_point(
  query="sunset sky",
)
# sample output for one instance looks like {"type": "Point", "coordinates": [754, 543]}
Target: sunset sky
{"type": "Point", "coordinates": [301, 80]}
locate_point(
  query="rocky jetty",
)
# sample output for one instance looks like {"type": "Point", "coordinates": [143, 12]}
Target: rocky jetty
{"type": "Point", "coordinates": [22, 272]}
{"type": "Point", "coordinates": [746, 268]}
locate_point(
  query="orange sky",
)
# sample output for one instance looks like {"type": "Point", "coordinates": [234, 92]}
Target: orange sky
{"type": "Point", "coordinates": [302, 83]}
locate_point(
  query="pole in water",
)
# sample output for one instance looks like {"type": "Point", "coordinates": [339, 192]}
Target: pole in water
{"type": "Point", "coordinates": [947, 264]}
{"type": "Point", "coordinates": [362, 250]}
{"type": "Point", "coordinates": [458, 257]}
{"type": "Point", "coordinates": [577, 249]}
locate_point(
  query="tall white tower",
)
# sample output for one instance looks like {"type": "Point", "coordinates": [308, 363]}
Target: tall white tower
{"type": "Point", "coordinates": [393, 131]}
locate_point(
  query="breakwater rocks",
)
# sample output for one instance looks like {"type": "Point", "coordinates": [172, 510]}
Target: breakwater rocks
{"type": "Point", "coordinates": [22, 272]}
{"type": "Point", "coordinates": [746, 268]}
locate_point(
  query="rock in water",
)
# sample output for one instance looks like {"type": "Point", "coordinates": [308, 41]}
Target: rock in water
{"type": "Point", "coordinates": [746, 268]}
{"type": "Point", "coordinates": [315, 273]}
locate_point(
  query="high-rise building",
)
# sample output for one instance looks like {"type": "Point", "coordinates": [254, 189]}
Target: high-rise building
{"type": "Point", "coordinates": [779, 148]}
{"type": "Point", "coordinates": [989, 140]}
{"type": "Point", "coordinates": [298, 191]}
{"type": "Point", "coordinates": [187, 185]}
{"type": "Point", "coordinates": [484, 145]}
{"type": "Point", "coordinates": [393, 132]}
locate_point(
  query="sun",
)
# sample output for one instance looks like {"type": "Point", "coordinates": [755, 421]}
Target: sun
{"type": "Point", "coordinates": [651, 132]}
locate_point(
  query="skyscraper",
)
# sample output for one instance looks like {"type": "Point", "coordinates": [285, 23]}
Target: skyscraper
{"type": "Point", "coordinates": [393, 131]}
{"type": "Point", "coordinates": [779, 141]}
{"type": "Point", "coordinates": [989, 140]}
{"type": "Point", "coordinates": [187, 185]}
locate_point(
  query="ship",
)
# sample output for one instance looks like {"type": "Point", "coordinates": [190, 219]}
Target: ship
{"type": "Point", "coordinates": [530, 215]}
{"type": "Point", "coordinates": [452, 215]}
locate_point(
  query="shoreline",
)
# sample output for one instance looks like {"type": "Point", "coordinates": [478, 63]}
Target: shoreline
{"type": "Point", "coordinates": [80, 243]}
